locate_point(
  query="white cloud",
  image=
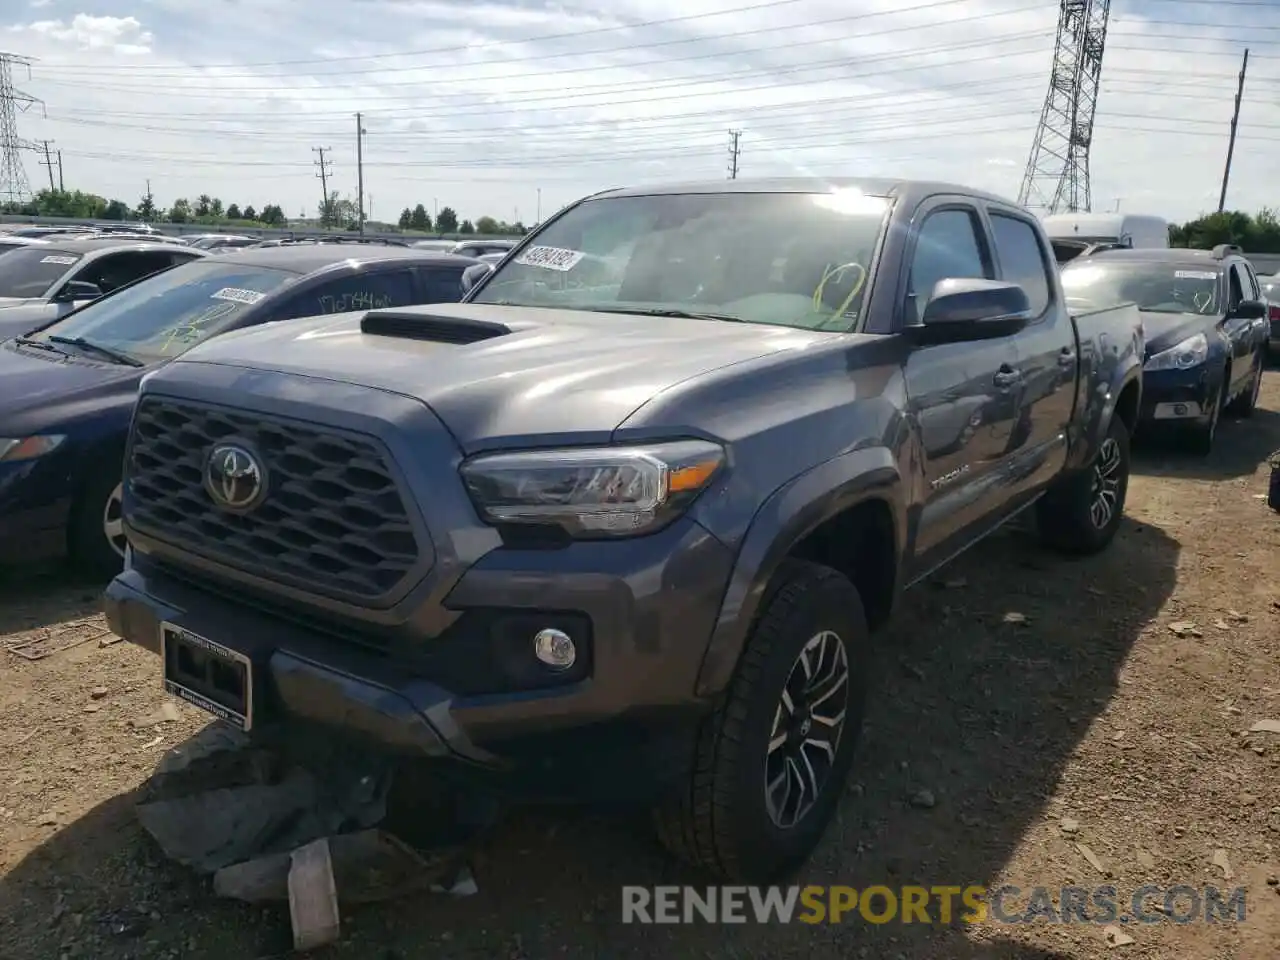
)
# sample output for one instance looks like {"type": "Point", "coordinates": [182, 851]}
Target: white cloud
{"type": "Point", "coordinates": [509, 100]}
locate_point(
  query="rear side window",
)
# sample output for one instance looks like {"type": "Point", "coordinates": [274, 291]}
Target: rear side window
{"type": "Point", "coordinates": [32, 271]}
{"type": "Point", "coordinates": [358, 291]}
{"type": "Point", "coordinates": [1022, 259]}
{"type": "Point", "coordinates": [441, 285]}
{"type": "Point", "coordinates": [947, 247]}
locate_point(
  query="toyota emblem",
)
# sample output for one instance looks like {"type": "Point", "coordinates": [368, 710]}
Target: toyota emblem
{"type": "Point", "coordinates": [234, 477]}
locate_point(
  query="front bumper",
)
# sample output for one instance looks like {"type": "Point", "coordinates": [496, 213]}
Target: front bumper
{"type": "Point", "coordinates": [33, 513]}
{"type": "Point", "coordinates": [1174, 397]}
{"type": "Point", "coordinates": [622, 728]}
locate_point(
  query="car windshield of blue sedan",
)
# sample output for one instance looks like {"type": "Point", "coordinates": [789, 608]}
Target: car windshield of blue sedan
{"type": "Point", "coordinates": [792, 259]}
{"type": "Point", "coordinates": [169, 313]}
{"type": "Point", "coordinates": [30, 271]}
{"type": "Point", "coordinates": [1156, 287]}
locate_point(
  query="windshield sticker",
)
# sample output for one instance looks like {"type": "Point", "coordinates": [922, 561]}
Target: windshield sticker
{"type": "Point", "coordinates": [65, 261]}
{"type": "Point", "coordinates": [550, 258]}
{"type": "Point", "coordinates": [1194, 275]}
{"type": "Point", "coordinates": [237, 295]}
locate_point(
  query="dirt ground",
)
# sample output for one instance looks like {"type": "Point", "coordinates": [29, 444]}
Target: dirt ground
{"type": "Point", "coordinates": [1112, 722]}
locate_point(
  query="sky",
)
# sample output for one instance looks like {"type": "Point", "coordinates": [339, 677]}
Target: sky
{"type": "Point", "coordinates": [514, 108]}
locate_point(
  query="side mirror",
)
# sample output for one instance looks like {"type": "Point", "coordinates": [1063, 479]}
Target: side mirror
{"type": "Point", "coordinates": [1250, 310]}
{"type": "Point", "coordinates": [78, 290]}
{"type": "Point", "coordinates": [962, 309]}
{"type": "Point", "coordinates": [472, 276]}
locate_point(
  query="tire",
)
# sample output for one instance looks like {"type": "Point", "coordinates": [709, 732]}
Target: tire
{"type": "Point", "coordinates": [96, 536]}
{"type": "Point", "coordinates": [1247, 402]}
{"type": "Point", "coordinates": [1081, 516]}
{"type": "Point", "coordinates": [721, 820]}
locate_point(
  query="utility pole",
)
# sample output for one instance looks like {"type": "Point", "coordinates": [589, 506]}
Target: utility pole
{"type": "Point", "coordinates": [324, 184]}
{"type": "Point", "coordinates": [48, 162]}
{"type": "Point", "coordinates": [539, 220]}
{"type": "Point", "coordinates": [61, 187]}
{"type": "Point", "coordinates": [1231, 145]}
{"type": "Point", "coordinates": [1117, 206]}
{"type": "Point", "coordinates": [360, 132]}
{"type": "Point", "coordinates": [734, 135]}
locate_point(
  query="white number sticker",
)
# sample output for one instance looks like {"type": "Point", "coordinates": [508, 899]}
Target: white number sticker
{"type": "Point", "coordinates": [236, 294]}
{"type": "Point", "coordinates": [1194, 275]}
{"type": "Point", "coordinates": [550, 258]}
{"type": "Point", "coordinates": [65, 261]}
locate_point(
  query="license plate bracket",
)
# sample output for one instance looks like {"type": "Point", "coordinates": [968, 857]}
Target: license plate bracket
{"type": "Point", "coordinates": [207, 675]}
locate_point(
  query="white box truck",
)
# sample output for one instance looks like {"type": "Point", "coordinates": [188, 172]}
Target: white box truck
{"type": "Point", "coordinates": [1073, 233]}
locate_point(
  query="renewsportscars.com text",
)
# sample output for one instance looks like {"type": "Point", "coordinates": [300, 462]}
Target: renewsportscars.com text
{"type": "Point", "coordinates": [932, 905]}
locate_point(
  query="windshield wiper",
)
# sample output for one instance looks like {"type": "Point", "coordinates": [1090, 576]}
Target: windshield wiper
{"type": "Point", "coordinates": [38, 344]}
{"type": "Point", "coordinates": [676, 314]}
{"type": "Point", "coordinates": [88, 345]}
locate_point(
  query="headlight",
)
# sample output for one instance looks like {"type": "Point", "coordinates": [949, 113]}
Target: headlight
{"type": "Point", "coordinates": [27, 448]}
{"type": "Point", "coordinates": [1191, 352]}
{"type": "Point", "coordinates": [593, 493]}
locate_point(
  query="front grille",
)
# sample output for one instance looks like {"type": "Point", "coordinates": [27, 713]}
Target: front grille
{"type": "Point", "coordinates": [333, 520]}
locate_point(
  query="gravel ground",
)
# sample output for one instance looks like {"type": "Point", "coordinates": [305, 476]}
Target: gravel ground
{"type": "Point", "coordinates": [1103, 736]}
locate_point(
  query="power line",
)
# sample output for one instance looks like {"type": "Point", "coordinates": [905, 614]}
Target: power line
{"type": "Point", "coordinates": [14, 186]}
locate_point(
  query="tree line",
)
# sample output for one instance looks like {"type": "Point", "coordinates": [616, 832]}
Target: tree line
{"type": "Point", "coordinates": [336, 212]}
{"type": "Point", "coordinates": [1257, 233]}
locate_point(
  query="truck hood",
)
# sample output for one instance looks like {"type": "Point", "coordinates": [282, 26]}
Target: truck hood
{"type": "Point", "coordinates": [17, 321]}
{"type": "Point", "coordinates": [565, 372]}
{"type": "Point", "coordinates": [1165, 330]}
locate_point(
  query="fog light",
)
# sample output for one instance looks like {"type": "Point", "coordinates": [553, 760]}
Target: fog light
{"type": "Point", "coordinates": [555, 649]}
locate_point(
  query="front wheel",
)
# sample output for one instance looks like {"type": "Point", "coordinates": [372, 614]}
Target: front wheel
{"type": "Point", "coordinates": [1247, 402]}
{"type": "Point", "coordinates": [770, 764]}
{"type": "Point", "coordinates": [97, 526]}
{"type": "Point", "coordinates": [1082, 515]}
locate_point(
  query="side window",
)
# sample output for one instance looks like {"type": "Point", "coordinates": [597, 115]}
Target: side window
{"type": "Point", "coordinates": [117, 269]}
{"type": "Point", "coordinates": [948, 245]}
{"type": "Point", "coordinates": [177, 258]}
{"type": "Point", "coordinates": [1252, 292]}
{"type": "Point", "coordinates": [359, 291]}
{"type": "Point", "coordinates": [441, 285]}
{"type": "Point", "coordinates": [1022, 259]}
{"type": "Point", "coordinates": [1237, 287]}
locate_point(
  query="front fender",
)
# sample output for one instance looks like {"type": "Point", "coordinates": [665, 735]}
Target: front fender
{"type": "Point", "coordinates": [1115, 367]}
{"type": "Point", "coordinates": [793, 511]}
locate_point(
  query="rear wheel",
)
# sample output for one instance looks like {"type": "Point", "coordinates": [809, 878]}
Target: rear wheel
{"type": "Point", "coordinates": [1082, 515]}
{"type": "Point", "coordinates": [770, 764]}
{"type": "Point", "coordinates": [97, 525]}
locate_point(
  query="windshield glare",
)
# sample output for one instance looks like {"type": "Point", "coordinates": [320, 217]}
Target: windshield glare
{"type": "Point", "coordinates": [169, 313]}
{"type": "Point", "coordinates": [1154, 287]}
{"type": "Point", "coordinates": [792, 259]}
{"type": "Point", "coordinates": [31, 271]}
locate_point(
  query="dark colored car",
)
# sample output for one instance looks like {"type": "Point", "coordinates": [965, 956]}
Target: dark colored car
{"type": "Point", "coordinates": [1270, 287]}
{"type": "Point", "coordinates": [1205, 323]}
{"type": "Point", "coordinates": [41, 283]}
{"type": "Point", "coordinates": [622, 520]}
{"type": "Point", "coordinates": [479, 248]}
{"type": "Point", "coordinates": [66, 391]}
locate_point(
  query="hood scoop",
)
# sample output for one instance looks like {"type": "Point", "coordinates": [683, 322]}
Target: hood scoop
{"type": "Point", "coordinates": [418, 326]}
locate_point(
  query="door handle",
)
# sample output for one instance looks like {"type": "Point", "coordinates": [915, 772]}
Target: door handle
{"type": "Point", "coordinates": [1006, 377]}
{"type": "Point", "coordinates": [1066, 357]}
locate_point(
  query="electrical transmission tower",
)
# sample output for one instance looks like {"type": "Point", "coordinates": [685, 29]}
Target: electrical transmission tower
{"type": "Point", "coordinates": [734, 151]}
{"type": "Point", "coordinates": [14, 187]}
{"type": "Point", "coordinates": [1057, 175]}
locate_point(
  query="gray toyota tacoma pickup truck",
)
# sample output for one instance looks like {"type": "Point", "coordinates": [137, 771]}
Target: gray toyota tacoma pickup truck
{"type": "Point", "coordinates": [622, 521]}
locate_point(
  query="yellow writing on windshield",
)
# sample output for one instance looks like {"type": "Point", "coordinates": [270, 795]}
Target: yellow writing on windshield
{"type": "Point", "coordinates": [191, 330]}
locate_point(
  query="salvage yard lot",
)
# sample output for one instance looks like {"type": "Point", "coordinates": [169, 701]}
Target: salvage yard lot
{"type": "Point", "coordinates": [1120, 699]}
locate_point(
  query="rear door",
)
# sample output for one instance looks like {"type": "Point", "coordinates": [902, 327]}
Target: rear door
{"type": "Point", "coordinates": [1240, 332]}
{"type": "Point", "coordinates": [117, 269]}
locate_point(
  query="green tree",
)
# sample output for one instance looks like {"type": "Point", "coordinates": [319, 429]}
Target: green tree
{"type": "Point", "coordinates": [204, 206]}
{"type": "Point", "coordinates": [146, 210]}
{"type": "Point", "coordinates": [272, 216]}
{"type": "Point", "coordinates": [467, 227]}
{"type": "Point", "coordinates": [250, 213]}
{"type": "Point", "coordinates": [406, 218]}
{"type": "Point", "coordinates": [488, 226]}
{"type": "Point", "coordinates": [1256, 234]}
{"type": "Point", "coordinates": [215, 209]}
{"type": "Point", "coordinates": [419, 220]}
{"type": "Point", "coordinates": [116, 210]}
{"type": "Point", "coordinates": [447, 220]}
{"type": "Point", "coordinates": [233, 212]}
{"type": "Point", "coordinates": [180, 212]}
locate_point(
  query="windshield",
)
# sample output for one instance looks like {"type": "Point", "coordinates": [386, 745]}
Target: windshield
{"type": "Point", "coordinates": [792, 259]}
{"type": "Point", "coordinates": [1154, 287]}
{"type": "Point", "coordinates": [31, 271]}
{"type": "Point", "coordinates": [169, 313]}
